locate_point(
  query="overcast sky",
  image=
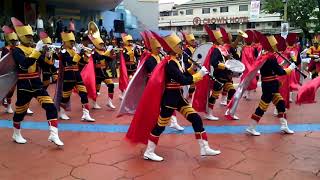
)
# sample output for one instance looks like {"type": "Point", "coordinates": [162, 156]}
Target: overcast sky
{"type": "Point", "coordinates": [176, 1]}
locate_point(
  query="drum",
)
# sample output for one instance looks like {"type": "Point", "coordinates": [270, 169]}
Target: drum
{"type": "Point", "coordinates": [235, 66]}
{"type": "Point", "coordinates": [201, 52]}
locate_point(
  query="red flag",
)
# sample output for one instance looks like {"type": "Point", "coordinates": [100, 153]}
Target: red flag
{"type": "Point", "coordinates": [248, 59]}
{"type": "Point", "coordinates": [148, 109]}
{"type": "Point", "coordinates": [123, 79]}
{"type": "Point", "coordinates": [307, 93]}
{"type": "Point", "coordinates": [200, 99]}
{"type": "Point", "coordinates": [89, 79]}
{"type": "Point", "coordinates": [136, 86]}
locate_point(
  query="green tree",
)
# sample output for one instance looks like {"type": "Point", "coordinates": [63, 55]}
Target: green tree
{"type": "Point", "coordinates": [300, 12]}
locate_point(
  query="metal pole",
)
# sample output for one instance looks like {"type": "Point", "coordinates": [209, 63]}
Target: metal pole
{"type": "Point", "coordinates": [285, 16]}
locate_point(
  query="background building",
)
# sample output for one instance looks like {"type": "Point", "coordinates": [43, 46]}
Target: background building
{"type": "Point", "coordinates": [230, 14]}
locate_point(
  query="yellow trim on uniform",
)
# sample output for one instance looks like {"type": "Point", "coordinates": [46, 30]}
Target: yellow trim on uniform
{"type": "Point", "coordinates": [81, 88]}
{"type": "Point", "coordinates": [163, 121]}
{"type": "Point", "coordinates": [76, 58]}
{"type": "Point", "coordinates": [263, 105]}
{"type": "Point", "coordinates": [276, 98]}
{"type": "Point", "coordinates": [35, 54]}
{"type": "Point", "coordinates": [66, 94]}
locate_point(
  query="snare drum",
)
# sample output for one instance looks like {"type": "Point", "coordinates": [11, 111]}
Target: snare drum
{"type": "Point", "coordinates": [235, 66]}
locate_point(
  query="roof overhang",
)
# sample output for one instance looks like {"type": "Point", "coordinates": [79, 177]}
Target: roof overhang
{"type": "Point", "coordinates": [98, 5]}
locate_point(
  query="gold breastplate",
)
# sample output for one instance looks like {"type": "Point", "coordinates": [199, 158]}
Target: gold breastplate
{"type": "Point", "coordinates": [27, 52]}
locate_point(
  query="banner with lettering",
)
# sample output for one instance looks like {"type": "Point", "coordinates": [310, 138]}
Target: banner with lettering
{"type": "Point", "coordinates": [255, 9]}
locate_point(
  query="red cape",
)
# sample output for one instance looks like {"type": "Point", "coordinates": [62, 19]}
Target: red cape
{"type": "Point", "coordinates": [148, 109]}
{"type": "Point", "coordinates": [145, 55]}
{"type": "Point", "coordinates": [200, 97]}
{"type": "Point", "coordinates": [294, 76]}
{"type": "Point", "coordinates": [89, 79]}
{"type": "Point", "coordinates": [307, 93]}
{"type": "Point", "coordinates": [248, 59]}
{"type": "Point", "coordinates": [123, 79]}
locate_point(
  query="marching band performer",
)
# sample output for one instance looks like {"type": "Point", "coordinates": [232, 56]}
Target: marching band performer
{"type": "Point", "coordinates": [100, 56]}
{"type": "Point", "coordinates": [129, 54]}
{"type": "Point", "coordinates": [151, 63]}
{"type": "Point", "coordinates": [189, 50]}
{"type": "Point", "coordinates": [11, 42]}
{"type": "Point", "coordinates": [270, 86]}
{"type": "Point", "coordinates": [48, 68]}
{"type": "Point", "coordinates": [70, 57]}
{"type": "Point", "coordinates": [29, 84]}
{"type": "Point", "coordinates": [314, 54]}
{"type": "Point", "coordinates": [168, 76]}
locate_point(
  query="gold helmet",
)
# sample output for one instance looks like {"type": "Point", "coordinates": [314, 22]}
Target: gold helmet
{"type": "Point", "coordinates": [45, 38]}
{"type": "Point", "coordinates": [22, 30]}
{"type": "Point", "coordinates": [9, 34]}
{"type": "Point", "coordinates": [173, 42]}
{"type": "Point", "coordinates": [126, 38]}
{"type": "Point", "coordinates": [67, 36]}
{"type": "Point", "coordinates": [154, 45]}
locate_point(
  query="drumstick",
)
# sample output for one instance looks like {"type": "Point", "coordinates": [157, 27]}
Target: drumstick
{"type": "Point", "coordinates": [288, 61]}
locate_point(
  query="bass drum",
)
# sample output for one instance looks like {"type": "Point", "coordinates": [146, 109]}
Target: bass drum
{"type": "Point", "coordinates": [201, 52]}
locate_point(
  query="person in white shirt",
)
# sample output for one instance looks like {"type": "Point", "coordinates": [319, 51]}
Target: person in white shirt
{"type": "Point", "coordinates": [40, 26]}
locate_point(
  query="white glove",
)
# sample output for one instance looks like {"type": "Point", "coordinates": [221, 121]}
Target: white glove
{"type": "Point", "coordinates": [292, 66]}
{"type": "Point", "coordinates": [292, 54]}
{"type": "Point", "coordinates": [109, 48]}
{"type": "Point", "coordinates": [39, 46]}
{"type": "Point", "coordinates": [317, 60]}
{"type": "Point", "coordinates": [316, 56]}
{"type": "Point", "coordinates": [203, 71]}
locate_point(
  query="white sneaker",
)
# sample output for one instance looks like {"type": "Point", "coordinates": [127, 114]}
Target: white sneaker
{"type": "Point", "coordinates": [205, 150]}
{"type": "Point", "coordinates": [275, 112]}
{"type": "Point", "coordinates": [211, 117]}
{"type": "Point", "coordinates": [284, 126]}
{"type": "Point", "coordinates": [29, 111]}
{"type": "Point", "coordinates": [63, 114]}
{"type": "Point", "coordinates": [174, 124]}
{"type": "Point", "coordinates": [86, 116]}
{"type": "Point", "coordinates": [9, 109]}
{"type": "Point", "coordinates": [224, 100]}
{"type": "Point", "coordinates": [149, 153]}
{"type": "Point", "coordinates": [121, 95]}
{"type": "Point", "coordinates": [291, 97]}
{"type": "Point", "coordinates": [252, 129]}
{"type": "Point", "coordinates": [54, 137]}
{"type": "Point", "coordinates": [96, 105]}
{"type": "Point", "coordinates": [17, 137]}
{"type": "Point", "coordinates": [109, 104]}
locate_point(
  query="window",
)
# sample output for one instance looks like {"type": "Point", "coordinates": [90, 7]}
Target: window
{"type": "Point", "coordinates": [224, 9]}
{"type": "Point", "coordinates": [174, 13]}
{"type": "Point", "coordinates": [189, 12]}
{"type": "Point", "coordinates": [235, 26]}
{"type": "Point", "coordinates": [165, 13]}
{"type": "Point", "coordinates": [197, 28]}
{"type": "Point", "coordinates": [205, 10]}
{"type": "Point", "coordinates": [181, 12]}
{"type": "Point", "coordinates": [214, 10]}
{"type": "Point", "coordinates": [243, 8]}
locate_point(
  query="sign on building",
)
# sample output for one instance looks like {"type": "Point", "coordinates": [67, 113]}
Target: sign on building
{"type": "Point", "coordinates": [255, 9]}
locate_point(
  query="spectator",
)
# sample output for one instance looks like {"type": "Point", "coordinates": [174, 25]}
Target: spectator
{"type": "Point", "coordinates": [59, 28]}
{"type": "Point", "coordinates": [72, 26]}
{"type": "Point", "coordinates": [40, 26]}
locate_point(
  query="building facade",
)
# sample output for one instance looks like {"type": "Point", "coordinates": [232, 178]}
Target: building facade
{"type": "Point", "coordinates": [230, 14]}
